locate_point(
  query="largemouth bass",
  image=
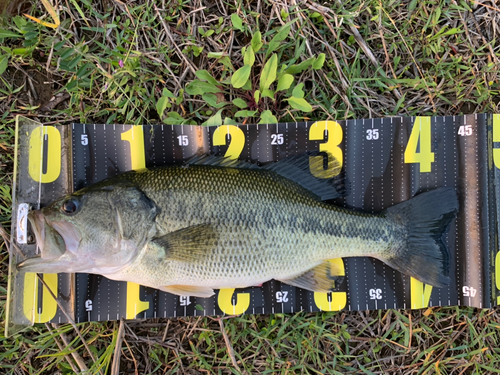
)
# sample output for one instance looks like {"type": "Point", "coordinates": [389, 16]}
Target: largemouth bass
{"type": "Point", "coordinates": [215, 223]}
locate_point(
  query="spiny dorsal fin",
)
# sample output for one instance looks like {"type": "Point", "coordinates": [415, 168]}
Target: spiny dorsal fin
{"type": "Point", "coordinates": [296, 168]}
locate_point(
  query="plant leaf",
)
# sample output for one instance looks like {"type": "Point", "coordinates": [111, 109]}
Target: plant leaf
{"type": "Point", "coordinates": [279, 37]}
{"type": "Point", "coordinates": [284, 82]}
{"type": "Point", "coordinates": [215, 120]}
{"type": "Point", "coordinates": [240, 77]}
{"type": "Point", "coordinates": [237, 22]}
{"type": "Point", "coordinates": [300, 104]}
{"type": "Point", "coordinates": [229, 121]}
{"type": "Point", "coordinates": [256, 41]}
{"type": "Point", "coordinates": [167, 93]}
{"type": "Point", "coordinates": [51, 11]}
{"type": "Point", "coordinates": [256, 96]}
{"type": "Point", "coordinates": [205, 75]}
{"type": "Point", "coordinates": [48, 24]}
{"type": "Point", "coordinates": [266, 117]}
{"type": "Point", "coordinates": [298, 92]}
{"type": "Point", "coordinates": [318, 63]}
{"type": "Point", "coordinates": [299, 68]}
{"type": "Point", "coordinates": [245, 113]}
{"type": "Point", "coordinates": [4, 60]}
{"type": "Point", "coordinates": [240, 103]}
{"type": "Point", "coordinates": [8, 34]}
{"type": "Point", "coordinates": [197, 87]}
{"type": "Point", "coordinates": [268, 93]}
{"type": "Point", "coordinates": [161, 105]}
{"type": "Point", "coordinates": [268, 75]}
{"type": "Point", "coordinates": [211, 99]}
{"type": "Point", "coordinates": [249, 56]}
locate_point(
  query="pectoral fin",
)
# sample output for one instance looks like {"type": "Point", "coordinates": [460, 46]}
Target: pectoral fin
{"type": "Point", "coordinates": [188, 290]}
{"type": "Point", "coordinates": [318, 279]}
{"type": "Point", "coordinates": [189, 244]}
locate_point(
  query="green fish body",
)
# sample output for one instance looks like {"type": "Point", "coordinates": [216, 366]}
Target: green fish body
{"type": "Point", "coordinates": [191, 229]}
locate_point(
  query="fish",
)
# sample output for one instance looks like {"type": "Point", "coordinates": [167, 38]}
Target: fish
{"type": "Point", "coordinates": [215, 223]}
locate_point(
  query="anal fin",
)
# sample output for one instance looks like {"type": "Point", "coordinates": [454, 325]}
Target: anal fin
{"type": "Point", "coordinates": [189, 290]}
{"type": "Point", "coordinates": [321, 278]}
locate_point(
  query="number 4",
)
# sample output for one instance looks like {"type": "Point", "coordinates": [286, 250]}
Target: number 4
{"type": "Point", "coordinates": [421, 132]}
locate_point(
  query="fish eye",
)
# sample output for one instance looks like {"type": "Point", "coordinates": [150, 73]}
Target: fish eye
{"type": "Point", "coordinates": [70, 206]}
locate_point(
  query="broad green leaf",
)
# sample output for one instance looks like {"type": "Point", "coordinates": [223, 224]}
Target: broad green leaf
{"type": "Point", "coordinates": [167, 93]}
{"type": "Point", "coordinates": [197, 87]}
{"type": "Point", "coordinates": [256, 96]}
{"type": "Point", "coordinates": [237, 22]}
{"type": "Point", "coordinates": [4, 60]}
{"type": "Point", "coordinates": [201, 31]}
{"type": "Point", "coordinates": [279, 37]}
{"type": "Point", "coordinates": [215, 120]}
{"type": "Point", "coordinates": [247, 86]}
{"type": "Point", "coordinates": [268, 75]}
{"type": "Point", "coordinates": [211, 99]}
{"type": "Point", "coordinates": [240, 103]}
{"type": "Point", "coordinates": [318, 63]}
{"type": "Point", "coordinates": [249, 57]}
{"type": "Point", "coordinates": [300, 104]}
{"type": "Point", "coordinates": [284, 82]}
{"type": "Point", "coordinates": [161, 105]}
{"type": "Point", "coordinates": [174, 119]}
{"type": "Point", "coordinates": [268, 93]}
{"type": "Point", "coordinates": [256, 41]}
{"type": "Point", "coordinates": [299, 68]}
{"type": "Point", "coordinates": [266, 117]}
{"type": "Point", "coordinates": [240, 77]}
{"type": "Point", "coordinates": [216, 55]}
{"type": "Point", "coordinates": [229, 121]}
{"type": "Point", "coordinates": [8, 34]}
{"type": "Point", "coordinates": [205, 75]}
{"type": "Point", "coordinates": [297, 91]}
{"type": "Point", "coordinates": [245, 113]}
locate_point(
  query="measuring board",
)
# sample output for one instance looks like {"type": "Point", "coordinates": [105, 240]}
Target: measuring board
{"type": "Point", "coordinates": [386, 161]}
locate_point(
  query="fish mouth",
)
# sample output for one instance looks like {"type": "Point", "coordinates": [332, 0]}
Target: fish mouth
{"type": "Point", "coordinates": [58, 243]}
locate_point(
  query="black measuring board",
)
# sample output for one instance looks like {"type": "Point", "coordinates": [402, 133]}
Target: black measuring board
{"type": "Point", "coordinates": [386, 161]}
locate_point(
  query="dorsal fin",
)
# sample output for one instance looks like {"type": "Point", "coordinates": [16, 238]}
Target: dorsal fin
{"type": "Point", "coordinates": [296, 168]}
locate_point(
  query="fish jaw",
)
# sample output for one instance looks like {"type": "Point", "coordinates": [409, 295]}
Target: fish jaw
{"type": "Point", "coordinates": [58, 243]}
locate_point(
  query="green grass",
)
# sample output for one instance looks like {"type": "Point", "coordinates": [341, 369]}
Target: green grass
{"type": "Point", "coordinates": [111, 62]}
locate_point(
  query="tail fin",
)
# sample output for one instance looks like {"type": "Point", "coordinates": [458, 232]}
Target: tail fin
{"type": "Point", "coordinates": [426, 217]}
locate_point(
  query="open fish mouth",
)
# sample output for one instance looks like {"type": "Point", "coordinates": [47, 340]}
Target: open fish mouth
{"type": "Point", "coordinates": [57, 243]}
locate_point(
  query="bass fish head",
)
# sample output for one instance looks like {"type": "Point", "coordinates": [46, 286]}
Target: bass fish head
{"type": "Point", "coordinates": [96, 230]}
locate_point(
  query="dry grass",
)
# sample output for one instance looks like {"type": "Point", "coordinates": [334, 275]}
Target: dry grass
{"type": "Point", "coordinates": [382, 58]}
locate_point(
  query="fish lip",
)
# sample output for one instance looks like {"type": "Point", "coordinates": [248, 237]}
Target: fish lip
{"type": "Point", "coordinates": [37, 221]}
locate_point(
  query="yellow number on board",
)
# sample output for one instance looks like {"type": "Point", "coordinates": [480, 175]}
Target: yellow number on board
{"type": "Point", "coordinates": [334, 132]}
{"type": "Point", "coordinates": [135, 138]}
{"type": "Point", "coordinates": [421, 132]}
{"type": "Point", "coordinates": [225, 301]}
{"type": "Point", "coordinates": [338, 299]}
{"type": "Point", "coordinates": [35, 160]}
{"type": "Point", "coordinates": [496, 138]}
{"type": "Point", "coordinates": [237, 140]}
{"type": "Point", "coordinates": [48, 309]}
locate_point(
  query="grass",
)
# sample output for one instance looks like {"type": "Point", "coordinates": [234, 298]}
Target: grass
{"type": "Point", "coordinates": [110, 61]}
